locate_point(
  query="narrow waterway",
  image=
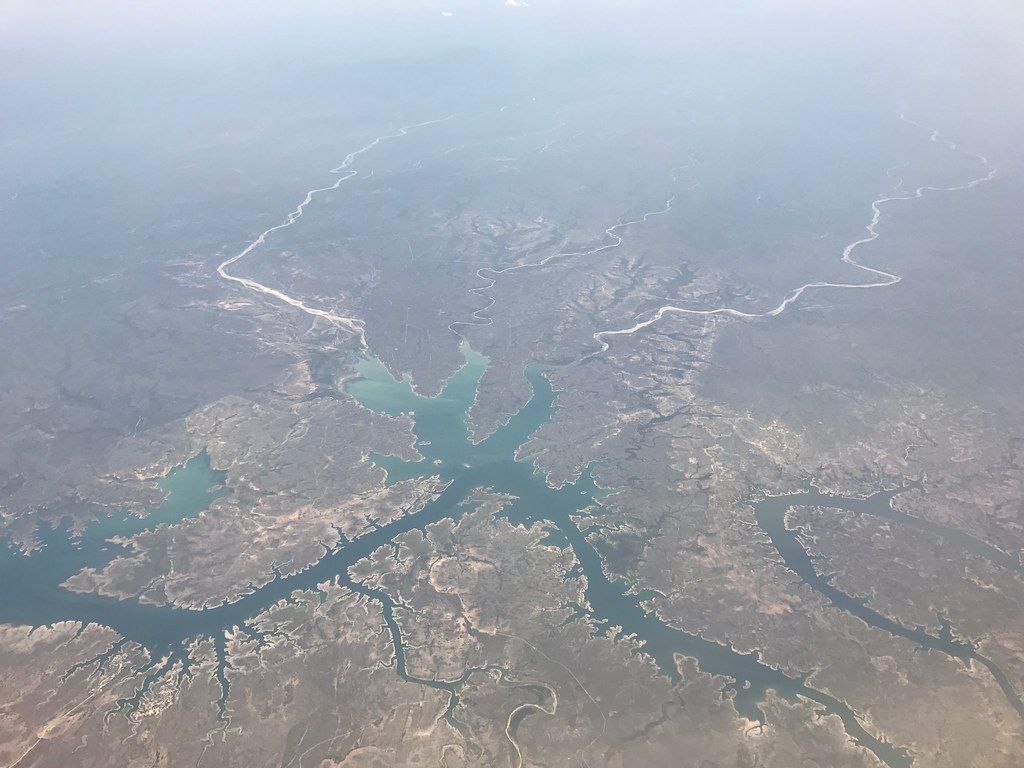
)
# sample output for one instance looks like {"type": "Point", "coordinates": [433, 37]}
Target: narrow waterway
{"type": "Point", "coordinates": [771, 516]}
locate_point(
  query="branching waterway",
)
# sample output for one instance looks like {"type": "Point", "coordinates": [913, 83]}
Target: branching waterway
{"type": "Point", "coordinates": [33, 594]}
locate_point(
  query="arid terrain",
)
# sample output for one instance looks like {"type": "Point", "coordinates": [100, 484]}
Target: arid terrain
{"type": "Point", "coordinates": [512, 385]}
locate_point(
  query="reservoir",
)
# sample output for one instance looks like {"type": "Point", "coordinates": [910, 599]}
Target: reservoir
{"type": "Point", "coordinates": [32, 594]}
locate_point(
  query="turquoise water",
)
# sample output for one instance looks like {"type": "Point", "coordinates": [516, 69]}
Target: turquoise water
{"type": "Point", "coordinates": [32, 594]}
{"type": "Point", "coordinates": [190, 489]}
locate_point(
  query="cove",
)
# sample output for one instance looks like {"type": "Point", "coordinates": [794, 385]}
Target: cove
{"type": "Point", "coordinates": [30, 584]}
{"type": "Point", "coordinates": [33, 596]}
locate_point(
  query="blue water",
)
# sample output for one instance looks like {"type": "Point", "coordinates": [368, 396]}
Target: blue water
{"type": "Point", "coordinates": [771, 516]}
{"type": "Point", "coordinates": [32, 594]}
